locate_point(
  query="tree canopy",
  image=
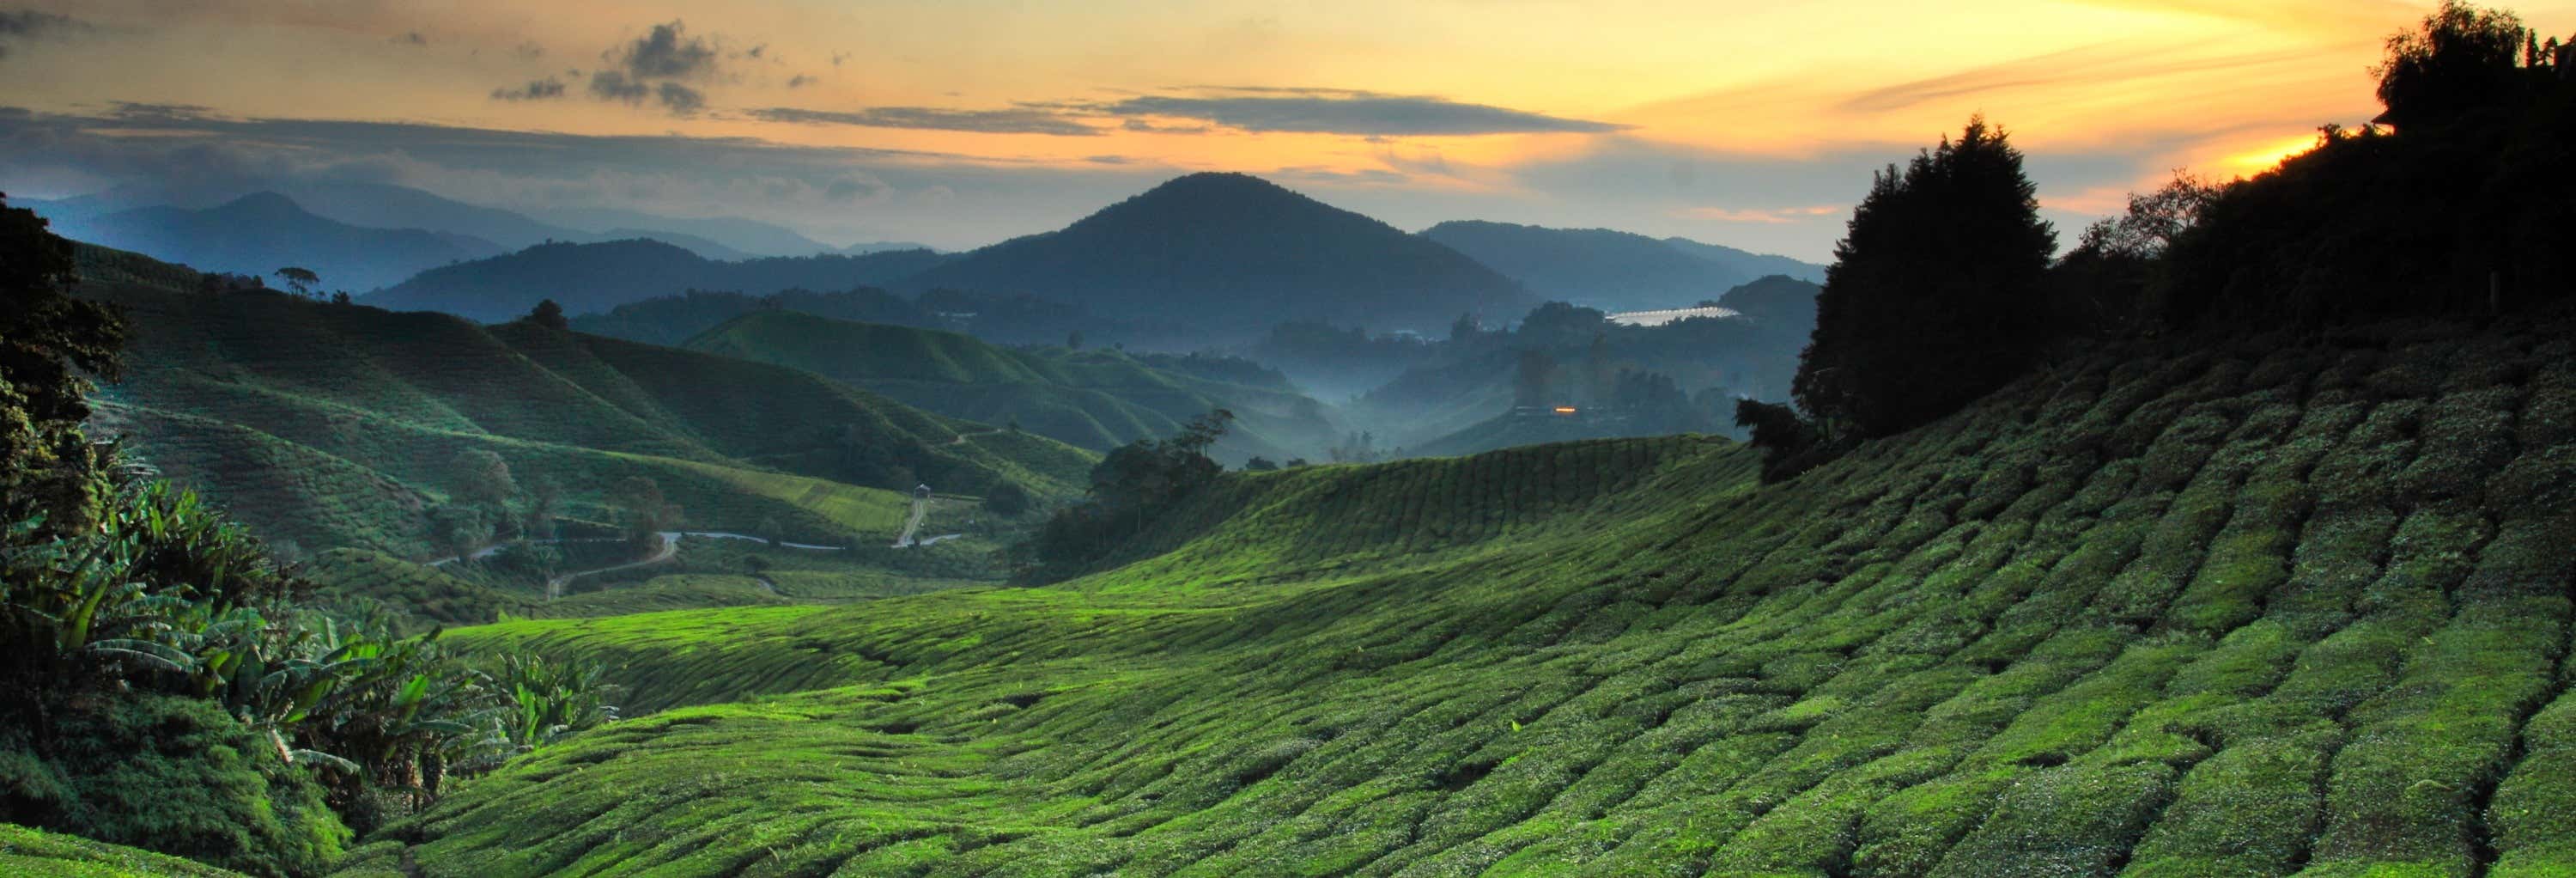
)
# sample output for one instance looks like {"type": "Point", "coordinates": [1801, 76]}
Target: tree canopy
{"type": "Point", "coordinates": [47, 339]}
{"type": "Point", "coordinates": [1935, 295]}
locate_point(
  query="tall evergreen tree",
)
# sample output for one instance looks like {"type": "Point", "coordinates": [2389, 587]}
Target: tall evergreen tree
{"type": "Point", "coordinates": [1935, 296]}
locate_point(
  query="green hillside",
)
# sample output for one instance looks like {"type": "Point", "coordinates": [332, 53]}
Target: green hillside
{"type": "Point", "coordinates": [2263, 611]}
{"type": "Point", "coordinates": [1096, 399]}
{"type": "Point", "coordinates": [339, 426]}
{"type": "Point", "coordinates": [30, 853]}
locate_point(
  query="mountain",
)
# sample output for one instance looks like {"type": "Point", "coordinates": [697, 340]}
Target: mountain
{"type": "Point", "coordinates": [1234, 253]}
{"type": "Point", "coordinates": [1749, 265]}
{"type": "Point", "coordinates": [1096, 399]}
{"type": "Point", "coordinates": [706, 249]}
{"type": "Point", "coordinates": [259, 233]}
{"type": "Point", "coordinates": [2233, 608]}
{"type": "Point", "coordinates": [1779, 300]}
{"type": "Point", "coordinates": [864, 248]}
{"type": "Point", "coordinates": [744, 235]}
{"type": "Point", "coordinates": [339, 425]}
{"type": "Point", "coordinates": [587, 278]}
{"type": "Point", "coordinates": [672, 320]}
{"type": "Point", "coordinates": [1599, 268]}
{"type": "Point", "coordinates": [384, 205]}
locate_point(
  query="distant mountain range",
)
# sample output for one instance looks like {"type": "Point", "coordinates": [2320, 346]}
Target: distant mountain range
{"type": "Point", "coordinates": [584, 278]}
{"type": "Point", "coordinates": [1200, 259]}
{"type": "Point", "coordinates": [389, 207]}
{"type": "Point", "coordinates": [262, 232]}
{"type": "Point", "coordinates": [1610, 270]}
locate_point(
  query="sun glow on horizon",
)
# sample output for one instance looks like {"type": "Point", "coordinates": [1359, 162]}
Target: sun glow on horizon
{"type": "Point", "coordinates": [1728, 118]}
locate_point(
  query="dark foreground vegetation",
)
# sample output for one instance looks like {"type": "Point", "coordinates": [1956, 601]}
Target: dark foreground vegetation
{"type": "Point", "coordinates": [163, 683]}
{"type": "Point", "coordinates": [1944, 288]}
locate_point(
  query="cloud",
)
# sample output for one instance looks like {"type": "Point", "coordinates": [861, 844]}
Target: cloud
{"type": "Point", "coordinates": [16, 25]}
{"type": "Point", "coordinates": [612, 85]}
{"type": "Point", "coordinates": [1019, 120]}
{"type": "Point", "coordinates": [681, 100]}
{"type": "Point", "coordinates": [1143, 127]}
{"type": "Point", "coordinates": [535, 90]}
{"type": "Point", "coordinates": [1770, 217]}
{"type": "Point", "coordinates": [800, 81]}
{"type": "Point", "coordinates": [1345, 111]}
{"type": "Point", "coordinates": [2080, 66]}
{"type": "Point", "coordinates": [653, 66]}
{"type": "Point", "coordinates": [528, 51]}
{"type": "Point", "coordinates": [411, 38]}
{"type": "Point", "coordinates": [831, 192]}
{"type": "Point", "coordinates": [665, 53]}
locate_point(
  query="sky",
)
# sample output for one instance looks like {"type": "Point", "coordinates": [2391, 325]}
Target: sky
{"type": "Point", "coordinates": [963, 122]}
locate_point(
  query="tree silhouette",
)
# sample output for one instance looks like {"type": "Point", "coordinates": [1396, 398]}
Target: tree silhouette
{"type": "Point", "coordinates": [1935, 295]}
{"type": "Point", "coordinates": [549, 315]}
{"type": "Point", "coordinates": [2462, 59]}
{"type": "Point", "coordinates": [302, 280]}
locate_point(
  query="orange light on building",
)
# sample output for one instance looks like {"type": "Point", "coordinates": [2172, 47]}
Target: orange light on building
{"type": "Point", "coordinates": [1565, 410]}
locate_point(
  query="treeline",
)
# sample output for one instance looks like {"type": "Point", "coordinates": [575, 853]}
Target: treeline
{"type": "Point", "coordinates": [1131, 488]}
{"type": "Point", "coordinates": [2458, 201]}
{"type": "Point", "coordinates": [164, 683]}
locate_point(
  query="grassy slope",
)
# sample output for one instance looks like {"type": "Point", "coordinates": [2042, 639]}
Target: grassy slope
{"type": "Point", "coordinates": [336, 426]}
{"type": "Point", "coordinates": [1094, 399]}
{"type": "Point", "coordinates": [29, 853]}
{"type": "Point", "coordinates": [2267, 612]}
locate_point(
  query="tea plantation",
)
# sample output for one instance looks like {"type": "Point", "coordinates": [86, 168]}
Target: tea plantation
{"type": "Point", "coordinates": [2295, 606]}
{"type": "Point", "coordinates": [340, 425]}
{"type": "Point", "coordinates": [29, 853]}
{"type": "Point", "coordinates": [1096, 399]}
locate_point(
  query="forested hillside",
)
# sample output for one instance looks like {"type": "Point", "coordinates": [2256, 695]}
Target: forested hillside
{"type": "Point", "coordinates": [343, 425]}
{"type": "Point", "coordinates": [1096, 399]}
{"type": "Point", "coordinates": [597, 277]}
{"type": "Point", "coordinates": [2259, 609]}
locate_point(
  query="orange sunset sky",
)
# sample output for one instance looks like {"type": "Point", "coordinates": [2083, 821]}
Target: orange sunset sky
{"type": "Point", "coordinates": [1754, 124]}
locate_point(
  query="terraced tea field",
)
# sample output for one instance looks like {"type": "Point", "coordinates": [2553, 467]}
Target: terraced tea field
{"type": "Point", "coordinates": [2279, 609]}
{"type": "Point", "coordinates": [339, 426]}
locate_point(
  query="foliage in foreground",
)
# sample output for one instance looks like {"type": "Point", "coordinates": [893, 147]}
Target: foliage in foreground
{"type": "Point", "coordinates": [31, 853]}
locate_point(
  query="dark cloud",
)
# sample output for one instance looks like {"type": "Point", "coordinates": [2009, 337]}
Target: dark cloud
{"type": "Point", "coordinates": [800, 81]}
{"type": "Point", "coordinates": [1142, 126]}
{"type": "Point", "coordinates": [528, 51]}
{"type": "Point", "coordinates": [653, 68]}
{"type": "Point", "coordinates": [1343, 111]}
{"type": "Point", "coordinates": [1018, 120]}
{"type": "Point", "coordinates": [667, 53]}
{"type": "Point", "coordinates": [612, 85]}
{"type": "Point", "coordinates": [24, 24]}
{"type": "Point", "coordinates": [681, 100]}
{"type": "Point", "coordinates": [133, 111]}
{"type": "Point", "coordinates": [411, 38]}
{"type": "Point", "coordinates": [535, 90]}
